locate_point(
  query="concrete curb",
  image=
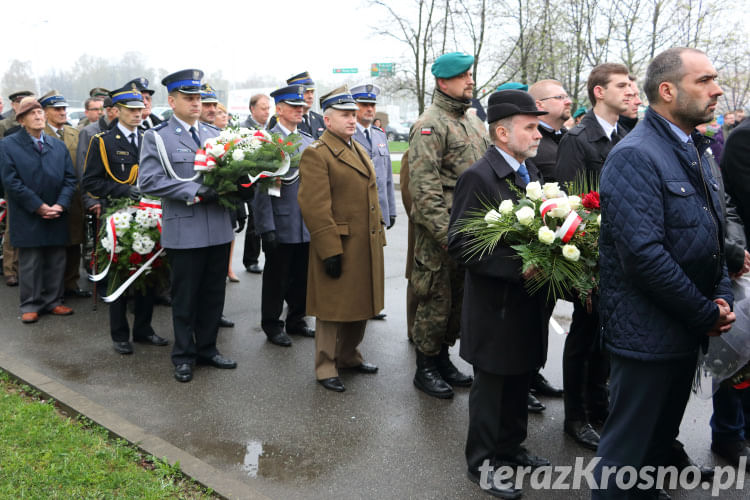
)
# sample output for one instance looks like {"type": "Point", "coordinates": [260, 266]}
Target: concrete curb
{"type": "Point", "coordinates": [76, 404]}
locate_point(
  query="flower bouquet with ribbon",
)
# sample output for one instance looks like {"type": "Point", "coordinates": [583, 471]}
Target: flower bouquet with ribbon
{"type": "Point", "coordinates": [552, 232]}
{"type": "Point", "coordinates": [129, 252]}
{"type": "Point", "coordinates": [240, 157]}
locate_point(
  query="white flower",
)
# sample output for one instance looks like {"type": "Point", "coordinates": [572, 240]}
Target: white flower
{"type": "Point", "coordinates": [546, 235]}
{"type": "Point", "coordinates": [244, 131]}
{"type": "Point", "coordinates": [574, 202]}
{"type": "Point", "coordinates": [146, 218]}
{"type": "Point", "coordinates": [215, 150]}
{"type": "Point", "coordinates": [562, 209]}
{"type": "Point", "coordinates": [551, 190]}
{"type": "Point", "coordinates": [122, 222]}
{"type": "Point", "coordinates": [227, 135]}
{"type": "Point", "coordinates": [525, 215]}
{"type": "Point", "coordinates": [506, 207]}
{"type": "Point", "coordinates": [492, 216]}
{"type": "Point", "coordinates": [571, 252]}
{"type": "Point", "coordinates": [533, 190]}
{"type": "Point", "coordinates": [254, 144]}
{"type": "Point", "coordinates": [106, 243]}
{"type": "Point", "coordinates": [142, 244]}
{"type": "Point", "coordinates": [238, 155]}
{"type": "Point", "coordinates": [599, 220]}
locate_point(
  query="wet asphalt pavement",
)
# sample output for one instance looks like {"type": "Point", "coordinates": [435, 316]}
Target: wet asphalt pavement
{"type": "Point", "coordinates": [269, 424]}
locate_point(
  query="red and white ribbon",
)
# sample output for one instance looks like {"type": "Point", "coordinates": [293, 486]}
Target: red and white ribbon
{"type": "Point", "coordinates": [3, 209]}
{"type": "Point", "coordinates": [569, 227]}
{"type": "Point", "coordinates": [545, 207]}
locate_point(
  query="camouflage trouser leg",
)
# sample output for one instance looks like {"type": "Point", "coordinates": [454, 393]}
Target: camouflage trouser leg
{"type": "Point", "coordinates": [438, 287]}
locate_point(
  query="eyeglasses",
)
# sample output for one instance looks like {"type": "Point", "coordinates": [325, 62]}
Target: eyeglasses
{"type": "Point", "coordinates": [560, 97]}
{"type": "Point", "coordinates": [94, 109]}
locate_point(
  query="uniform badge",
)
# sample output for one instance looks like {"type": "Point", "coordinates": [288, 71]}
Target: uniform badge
{"type": "Point", "coordinates": [117, 136]}
{"type": "Point", "coordinates": [426, 131]}
{"type": "Point", "coordinates": [178, 130]}
{"type": "Point", "coordinates": [122, 153]}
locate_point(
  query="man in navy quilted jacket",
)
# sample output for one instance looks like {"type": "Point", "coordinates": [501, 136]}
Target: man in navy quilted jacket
{"type": "Point", "coordinates": [664, 282]}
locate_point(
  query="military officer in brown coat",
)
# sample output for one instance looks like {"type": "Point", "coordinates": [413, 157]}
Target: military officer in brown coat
{"type": "Point", "coordinates": [55, 111]}
{"type": "Point", "coordinates": [338, 196]}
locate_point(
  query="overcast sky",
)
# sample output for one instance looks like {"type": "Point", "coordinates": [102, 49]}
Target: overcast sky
{"type": "Point", "coordinates": [239, 38]}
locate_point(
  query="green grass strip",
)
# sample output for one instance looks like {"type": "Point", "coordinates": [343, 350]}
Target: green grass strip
{"type": "Point", "coordinates": [45, 455]}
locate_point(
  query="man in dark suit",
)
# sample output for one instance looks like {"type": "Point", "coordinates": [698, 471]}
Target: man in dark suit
{"type": "Point", "coordinates": [583, 151]}
{"type": "Point", "coordinates": [503, 328]}
{"type": "Point", "coordinates": [286, 240]}
{"type": "Point", "coordinates": [196, 229]}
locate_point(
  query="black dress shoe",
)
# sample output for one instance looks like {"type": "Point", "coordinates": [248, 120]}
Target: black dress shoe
{"type": "Point", "coordinates": [332, 384]}
{"type": "Point", "coordinates": [302, 331]}
{"type": "Point", "coordinates": [367, 368]}
{"type": "Point", "coordinates": [583, 433]}
{"type": "Point", "coordinates": [123, 347]}
{"type": "Point", "coordinates": [732, 452]}
{"type": "Point", "coordinates": [77, 292]}
{"type": "Point", "coordinates": [217, 361]}
{"type": "Point", "coordinates": [152, 339]}
{"type": "Point", "coordinates": [534, 405]}
{"type": "Point", "coordinates": [508, 493]}
{"type": "Point", "coordinates": [279, 338]}
{"type": "Point", "coordinates": [542, 387]}
{"type": "Point", "coordinates": [680, 459]}
{"type": "Point", "coordinates": [183, 372]}
{"type": "Point", "coordinates": [522, 458]}
{"type": "Point", "coordinates": [254, 268]}
{"type": "Point", "coordinates": [380, 316]}
{"type": "Point", "coordinates": [225, 323]}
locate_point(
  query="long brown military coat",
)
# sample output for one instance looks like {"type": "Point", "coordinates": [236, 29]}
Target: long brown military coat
{"type": "Point", "coordinates": [75, 212]}
{"type": "Point", "coordinates": [406, 199]}
{"type": "Point", "coordinates": [338, 197]}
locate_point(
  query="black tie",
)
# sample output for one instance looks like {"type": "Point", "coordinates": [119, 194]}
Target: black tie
{"type": "Point", "coordinates": [307, 121]}
{"type": "Point", "coordinates": [194, 133]}
{"type": "Point", "coordinates": [367, 134]}
{"type": "Point", "coordinates": [132, 140]}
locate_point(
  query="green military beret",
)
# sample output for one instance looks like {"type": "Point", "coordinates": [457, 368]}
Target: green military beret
{"type": "Point", "coordinates": [579, 112]}
{"type": "Point", "coordinates": [512, 86]}
{"type": "Point", "coordinates": [451, 64]}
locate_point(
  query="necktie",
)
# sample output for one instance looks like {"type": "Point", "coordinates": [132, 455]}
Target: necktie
{"type": "Point", "coordinates": [132, 140]}
{"type": "Point", "coordinates": [39, 146]}
{"type": "Point", "coordinates": [306, 118]}
{"type": "Point", "coordinates": [194, 133]}
{"type": "Point", "coordinates": [367, 134]}
{"type": "Point", "coordinates": [524, 173]}
{"type": "Point", "coordinates": [60, 134]}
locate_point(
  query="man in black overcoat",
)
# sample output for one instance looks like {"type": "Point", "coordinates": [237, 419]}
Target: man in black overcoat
{"type": "Point", "coordinates": [503, 328]}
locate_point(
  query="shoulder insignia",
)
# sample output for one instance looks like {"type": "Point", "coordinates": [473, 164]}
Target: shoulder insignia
{"type": "Point", "coordinates": [160, 126]}
{"type": "Point", "coordinates": [315, 144]}
{"type": "Point", "coordinates": [209, 125]}
{"type": "Point", "coordinates": [100, 133]}
{"type": "Point", "coordinates": [302, 132]}
{"type": "Point", "coordinates": [425, 131]}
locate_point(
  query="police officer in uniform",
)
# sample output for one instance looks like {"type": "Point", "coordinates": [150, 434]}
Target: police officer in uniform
{"type": "Point", "coordinates": [111, 172]}
{"type": "Point", "coordinates": [150, 120]}
{"type": "Point", "coordinates": [286, 240]}
{"type": "Point", "coordinates": [375, 143]}
{"type": "Point", "coordinates": [312, 122]}
{"type": "Point", "coordinates": [443, 142]}
{"type": "Point", "coordinates": [196, 229]}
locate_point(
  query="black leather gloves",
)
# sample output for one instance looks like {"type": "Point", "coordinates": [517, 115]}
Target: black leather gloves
{"type": "Point", "coordinates": [333, 266]}
{"type": "Point", "coordinates": [207, 194]}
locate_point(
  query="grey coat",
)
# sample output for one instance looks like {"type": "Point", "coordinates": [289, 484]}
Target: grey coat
{"type": "Point", "coordinates": [381, 160]}
{"type": "Point", "coordinates": [183, 225]}
{"type": "Point", "coordinates": [282, 214]}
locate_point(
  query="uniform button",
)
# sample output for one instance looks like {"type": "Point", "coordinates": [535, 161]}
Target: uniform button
{"type": "Point", "coordinates": [705, 208]}
{"type": "Point", "coordinates": [714, 256]}
{"type": "Point", "coordinates": [372, 208]}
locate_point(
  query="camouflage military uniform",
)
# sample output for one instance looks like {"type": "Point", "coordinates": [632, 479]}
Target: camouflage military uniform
{"type": "Point", "coordinates": [443, 143]}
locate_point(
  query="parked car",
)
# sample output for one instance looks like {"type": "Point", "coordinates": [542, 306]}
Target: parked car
{"type": "Point", "coordinates": [163, 112]}
{"type": "Point", "coordinates": [397, 132]}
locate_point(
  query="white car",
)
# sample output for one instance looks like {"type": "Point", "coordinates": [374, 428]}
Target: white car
{"type": "Point", "coordinates": [75, 115]}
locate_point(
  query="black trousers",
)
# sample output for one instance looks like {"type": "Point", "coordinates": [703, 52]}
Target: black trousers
{"type": "Point", "coordinates": [251, 252]}
{"type": "Point", "coordinates": [648, 400]}
{"type": "Point", "coordinates": [198, 286]}
{"type": "Point", "coordinates": [585, 367]}
{"type": "Point", "coordinates": [284, 279]}
{"type": "Point", "coordinates": [143, 311]}
{"type": "Point", "coordinates": [498, 416]}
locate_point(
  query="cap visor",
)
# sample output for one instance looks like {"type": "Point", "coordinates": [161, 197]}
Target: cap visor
{"type": "Point", "coordinates": [132, 104]}
{"type": "Point", "coordinates": [346, 106]}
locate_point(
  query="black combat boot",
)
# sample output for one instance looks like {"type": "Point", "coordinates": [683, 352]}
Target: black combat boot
{"type": "Point", "coordinates": [449, 372]}
{"type": "Point", "coordinates": [428, 379]}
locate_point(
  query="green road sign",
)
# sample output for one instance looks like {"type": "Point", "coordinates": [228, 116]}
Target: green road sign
{"type": "Point", "coordinates": [382, 69]}
{"type": "Point", "coordinates": [345, 70]}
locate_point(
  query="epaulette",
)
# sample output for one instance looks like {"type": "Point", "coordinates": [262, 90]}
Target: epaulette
{"type": "Point", "coordinates": [210, 125]}
{"type": "Point", "coordinates": [302, 132]}
{"type": "Point", "coordinates": [160, 126]}
{"type": "Point", "coordinates": [577, 129]}
{"type": "Point", "coordinates": [101, 133]}
{"type": "Point", "coordinates": [378, 128]}
{"type": "Point", "coordinates": [315, 144]}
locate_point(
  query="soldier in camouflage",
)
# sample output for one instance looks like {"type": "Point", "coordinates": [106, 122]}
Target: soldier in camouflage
{"type": "Point", "coordinates": [443, 142]}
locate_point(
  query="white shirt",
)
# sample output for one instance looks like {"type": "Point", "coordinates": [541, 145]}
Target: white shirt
{"type": "Point", "coordinates": [127, 132]}
{"type": "Point", "coordinates": [608, 128]}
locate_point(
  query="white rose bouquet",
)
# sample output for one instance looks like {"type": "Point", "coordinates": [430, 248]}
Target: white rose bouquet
{"type": "Point", "coordinates": [239, 157]}
{"type": "Point", "coordinates": [129, 253]}
{"type": "Point", "coordinates": [553, 232]}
